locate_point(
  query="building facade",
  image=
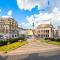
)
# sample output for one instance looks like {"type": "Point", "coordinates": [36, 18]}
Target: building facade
{"type": "Point", "coordinates": [45, 31]}
{"type": "Point", "coordinates": [55, 33]}
{"type": "Point", "coordinates": [22, 31]}
{"type": "Point", "coordinates": [58, 31]}
{"type": "Point", "coordinates": [8, 27]}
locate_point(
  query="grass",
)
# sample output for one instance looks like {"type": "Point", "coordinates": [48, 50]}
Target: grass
{"type": "Point", "coordinates": [50, 42]}
{"type": "Point", "coordinates": [54, 42]}
{"type": "Point", "coordinates": [12, 46]}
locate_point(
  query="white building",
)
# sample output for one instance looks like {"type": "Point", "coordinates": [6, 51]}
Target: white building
{"type": "Point", "coordinates": [58, 31]}
{"type": "Point", "coordinates": [45, 31]}
{"type": "Point", "coordinates": [22, 31]}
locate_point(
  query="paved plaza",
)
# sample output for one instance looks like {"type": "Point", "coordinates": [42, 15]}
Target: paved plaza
{"type": "Point", "coordinates": [34, 50]}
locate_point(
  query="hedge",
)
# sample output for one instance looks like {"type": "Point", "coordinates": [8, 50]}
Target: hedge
{"type": "Point", "coordinates": [22, 37]}
{"type": "Point", "coordinates": [53, 39]}
{"type": "Point", "coordinates": [12, 40]}
{"type": "Point", "coordinates": [58, 39]}
{"type": "Point", "coordinates": [3, 42]}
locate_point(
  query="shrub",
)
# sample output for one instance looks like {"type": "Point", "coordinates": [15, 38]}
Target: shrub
{"type": "Point", "coordinates": [3, 42]}
{"type": "Point", "coordinates": [22, 37]}
{"type": "Point", "coordinates": [46, 38]}
{"type": "Point", "coordinates": [52, 39]}
{"type": "Point", "coordinates": [58, 39]}
{"type": "Point", "coordinates": [12, 40]}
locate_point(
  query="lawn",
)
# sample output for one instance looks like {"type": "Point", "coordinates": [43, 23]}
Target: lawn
{"type": "Point", "coordinates": [54, 42]}
{"type": "Point", "coordinates": [50, 42]}
{"type": "Point", "coordinates": [12, 46]}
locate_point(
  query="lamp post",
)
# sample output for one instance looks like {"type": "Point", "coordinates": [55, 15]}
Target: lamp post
{"type": "Point", "coordinates": [33, 30]}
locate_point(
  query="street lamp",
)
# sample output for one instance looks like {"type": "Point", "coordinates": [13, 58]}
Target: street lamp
{"type": "Point", "coordinates": [33, 31]}
{"type": "Point", "coordinates": [33, 25]}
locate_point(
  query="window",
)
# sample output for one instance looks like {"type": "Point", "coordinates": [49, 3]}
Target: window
{"type": "Point", "coordinates": [47, 31]}
{"type": "Point", "coordinates": [38, 31]}
{"type": "Point", "coordinates": [48, 35]}
{"type": "Point", "coordinates": [15, 35]}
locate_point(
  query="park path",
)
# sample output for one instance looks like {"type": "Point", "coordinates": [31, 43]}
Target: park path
{"type": "Point", "coordinates": [33, 47]}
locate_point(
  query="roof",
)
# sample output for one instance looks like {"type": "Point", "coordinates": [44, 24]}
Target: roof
{"type": "Point", "coordinates": [45, 26]}
{"type": "Point", "coordinates": [5, 16]}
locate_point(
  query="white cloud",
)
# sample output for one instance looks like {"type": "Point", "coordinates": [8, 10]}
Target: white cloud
{"type": "Point", "coordinates": [53, 17]}
{"type": "Point", "coordinates": [10, 13]}
{"type": "Point", "coordinates": [0, 10]}
{"type": "Point", "coordinates": [26, 25]}
{"type": "Point", "coordinates": [40, 18]}
{"type": "Point", "coordinates": [30, 19]}
{"type": "Point", "coordinates": [29, 4]}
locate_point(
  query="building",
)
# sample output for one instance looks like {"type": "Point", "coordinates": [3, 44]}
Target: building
{"type": "Point", "coordinates": [22, 31]}
{"type": "Point", "coordinates": [29, 32]}
{"type": "Point", "coordinates": [55, 33]}
{"type": "Point", "coordinates": [8, 27]}
{"type": "Point", "coordinates": [45, 31]}
{"type": "Point", "coordinates": [25, 31]}
{"type": "Point", "coordinates": [58, 31]}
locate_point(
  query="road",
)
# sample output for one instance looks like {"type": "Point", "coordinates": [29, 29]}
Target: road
{"type": "Point", "coordinates": [34, 51]}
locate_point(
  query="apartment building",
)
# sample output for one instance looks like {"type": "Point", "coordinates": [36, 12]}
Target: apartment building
{"type": "Point", "coordinates": [8, 27]}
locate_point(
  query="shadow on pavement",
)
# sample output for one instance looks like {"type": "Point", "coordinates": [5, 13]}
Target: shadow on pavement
{"type": "Point", "coordinates": [37, 56]}
{"type": "Point", "coordinates": [33, 56]}
{"type": "Point", "coordinates": [2, 58]}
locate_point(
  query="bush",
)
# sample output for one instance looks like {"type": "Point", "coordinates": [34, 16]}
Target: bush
{"type": "Point", "coordinates": [46, 38]}
{"type": "Point", "coordinates": [12, 40]}
{"type": "Point", "coordinates": [3, 42]}
{"type": "Point", "coordinates": [22, 37]}
{"type": "Point", "coordinates": [52, 39]}
{"type": "Point", "coordinates": [58, 39]}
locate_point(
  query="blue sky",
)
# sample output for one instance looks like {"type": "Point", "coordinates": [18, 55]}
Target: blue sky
{"type": "Point", "coordinates": [20, 11]}
{"type": "Point", "coordinates": [6, 5]}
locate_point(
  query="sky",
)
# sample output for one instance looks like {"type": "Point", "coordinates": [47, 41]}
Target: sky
{"type": "Point", "coordinates": [25, 12]}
